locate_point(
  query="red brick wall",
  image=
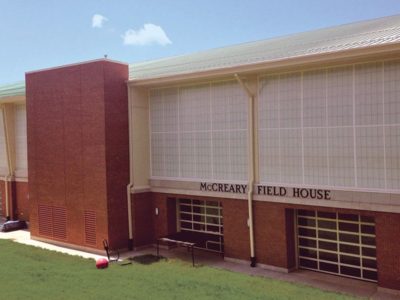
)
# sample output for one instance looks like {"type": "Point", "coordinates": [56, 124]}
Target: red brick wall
{"type": "Point", "coordinates": [142, 219]}
{"type": "Point", "coordinates": [68, 150]}
{"type": "Point", "coordinates": [274, 235]}
{"type": "Point", "coordinates": [236, 236]}
{"type": "Point", "coordinates": [117, 151]}
{"type": "Point", "coordinates": [274, 231]}
{"type": "Point", "coordinates": [165, 221]}
{"type": "Point", "coordinates": [3, 198]}
{"type": "Point", "coordinates": [147, 226]}
{"type": "Point", "coordinates": [21, 195]}
{"type": "Point", "coordinates": [290, 238]}
{"type": "Point", "coordinates": [19, 205]}
{"type": "Point", "coordinates": [236, 231]}
{"type": "Point", "coordinates": [388, 249]}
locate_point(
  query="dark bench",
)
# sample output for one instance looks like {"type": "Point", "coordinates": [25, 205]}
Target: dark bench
{"type": "Point", "coordinates": [190, 240]}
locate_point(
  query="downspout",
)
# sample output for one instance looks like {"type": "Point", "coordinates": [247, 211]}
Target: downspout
{"type": "Point", "coordinates": [9, 162]}
{"type": "Point", "coordinates": [251, 166]}
{"type": "Point", "coordinates": [130, 185]}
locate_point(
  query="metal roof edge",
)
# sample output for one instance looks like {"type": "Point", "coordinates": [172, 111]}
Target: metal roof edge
{"type": "Point", "coordinates": [279, 63]}
{"type": "Point", "coordinates": [12, 90]}
{"type": "Point", "coordinates": [285, 36]}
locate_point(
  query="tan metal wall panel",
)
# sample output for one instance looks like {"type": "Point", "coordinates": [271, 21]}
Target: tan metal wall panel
{"type": "Point", "coordinates": [21, 160]}
{"type": "Point", "coordinates": [3, 152]}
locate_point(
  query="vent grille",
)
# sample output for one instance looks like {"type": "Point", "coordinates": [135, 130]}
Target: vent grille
{"type": "Point", "coordinates": [90, 227]}
{"type": "Point", "coordinates": [52, 221]}
{"type": "Point", "coordinates": [45, 214]}
{"type": "Point", "coordinates": [59, 223]}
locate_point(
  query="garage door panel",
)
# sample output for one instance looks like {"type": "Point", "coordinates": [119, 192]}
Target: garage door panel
{"type": "Point", "coordinates": [371, 275]}
{"type": "Point", "coordinates": [306, 222]}
{"type": "Point", "coordinates": [368, 240]}
{"type": "Point", "coordinates": [349, 238]}
{"type": "Point", "coordinates": [304, 252]}
{"type": "Point", "coordinates": [327, 235]}
{"type": "Point", "coordinates": [327, 246]}
{"type": "Point", "coordinates": [371, 252]}
{"type": "Point", "coordinates": [333, 268]}
{"type": "Point", "coordinates": [328, 256]}
{"type": "Point", "coordinates": [337, 243]}
{"type": "Point", "coordinates": [308, 263]}
{"type": "Point", "coordinates": [350, 260]}
{"type": "Point", "coordinates": [327, 224]}
{"type": "Point", "coordinates": [202, 218]}
{"type": "Point", "coordinates": [307, 242]}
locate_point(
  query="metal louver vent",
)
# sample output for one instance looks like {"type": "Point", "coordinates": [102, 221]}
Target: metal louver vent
{"type": "Point", "coordinates": [59, 223]}
{"type": "Point", "coordinates": [52, 221]}
{"type": "Point", "coordinates": [90, 227]}
{"type": "Point", "coordinates": [45, 214]}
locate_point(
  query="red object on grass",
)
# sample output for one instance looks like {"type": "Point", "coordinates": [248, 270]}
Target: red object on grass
{"type": "Point", "coordinates": [101, 263]}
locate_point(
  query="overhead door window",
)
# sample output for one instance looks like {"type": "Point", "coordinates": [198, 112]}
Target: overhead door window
{"type": "Point", "coordinates": [337, 243]}
{"type": "Point", "coordinates": [202, 218]}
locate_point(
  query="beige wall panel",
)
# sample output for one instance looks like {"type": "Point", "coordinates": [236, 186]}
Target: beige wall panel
{"type": "Point", "coordinates": [21, 156]}
{"type": "Point", "coordinates": [3, 152]}
{"type": "Point", "coordinates": [140, 136]}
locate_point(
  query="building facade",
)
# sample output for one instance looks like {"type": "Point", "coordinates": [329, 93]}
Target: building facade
{"type": "Point", "coordinates": [14, 202]}
{"type": "Point", "coordinates": [284, 153]}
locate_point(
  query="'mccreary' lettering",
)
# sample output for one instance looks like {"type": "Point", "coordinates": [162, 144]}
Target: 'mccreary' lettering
{"type": "Point", "coordinates": [277, 191]}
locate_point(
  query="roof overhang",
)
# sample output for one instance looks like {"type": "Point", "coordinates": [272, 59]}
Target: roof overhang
{"type": "Point", "coordinates": [13, 99]}
{"type": "Point", "coordinates": [304, 61]}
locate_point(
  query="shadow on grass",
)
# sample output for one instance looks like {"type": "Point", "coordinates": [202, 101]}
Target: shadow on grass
{"type": "Point", "coordinates": [146, 259]}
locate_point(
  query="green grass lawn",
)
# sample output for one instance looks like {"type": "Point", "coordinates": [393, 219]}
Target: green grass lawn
{"type": "Point", "coordinates": [32, 273]}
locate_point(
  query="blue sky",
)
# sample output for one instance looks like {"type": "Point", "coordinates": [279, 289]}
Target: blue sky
{"type": "Point", "coordinates": [36, 34]}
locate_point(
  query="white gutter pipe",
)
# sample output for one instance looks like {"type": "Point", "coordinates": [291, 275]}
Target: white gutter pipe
{"type": "Point", "coordinates": [9, 163]}
{"type": "Point", "coordinates": [130, 185]}
{"type": "Point", "coordinates": [251, 166]}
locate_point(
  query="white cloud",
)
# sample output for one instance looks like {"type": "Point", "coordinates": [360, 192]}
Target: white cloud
{"type": "Point", "coordinates": [98, 21]}
{"type": "Point", "coordinates": [149, 34]}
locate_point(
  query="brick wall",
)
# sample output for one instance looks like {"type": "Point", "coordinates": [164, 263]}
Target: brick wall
{"type": "Point", "coordinates": [19, 207]}
{"type": "Point", "coordinates": [3, 199]}
{"type": "Point", "coordinates": [21, 196]}
{"type": "Point", "coordinates": [165, 221]}
{"type": "Point", "coordinates": [236, 231]}
{"type": "Point", "coordinates": [274, 235]}
{"type": "Point", "coordinates": [274, 231]}
{"type": "Point", "coordinates": [147, 226]}
{"type": "Point", "coordinates": [116, 151]}
{"type": "Point", "coordinates": [388, 249]}
{"type": "Point", "coordinates": [70, 148]}
{"type": "Point", "coordinates": [142, 219]}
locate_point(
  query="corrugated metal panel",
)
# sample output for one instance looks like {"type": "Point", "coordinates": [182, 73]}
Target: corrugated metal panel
{"type": "Point", "coordinates": [335, 127]}
{"type": "Point", "coordinates": [199, 131]}
{"type": "Point", "coordinates": [351, 36]}
{"type": "Point", "coordinates": [90, 227]}
{"type": "Point", "coordinates": [14, 89]}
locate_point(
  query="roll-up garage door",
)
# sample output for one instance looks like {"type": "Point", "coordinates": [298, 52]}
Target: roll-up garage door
{"type": "Point", "coordinates": [203, 218]}
{"type": "Point", "coordinates": [337, 243]}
